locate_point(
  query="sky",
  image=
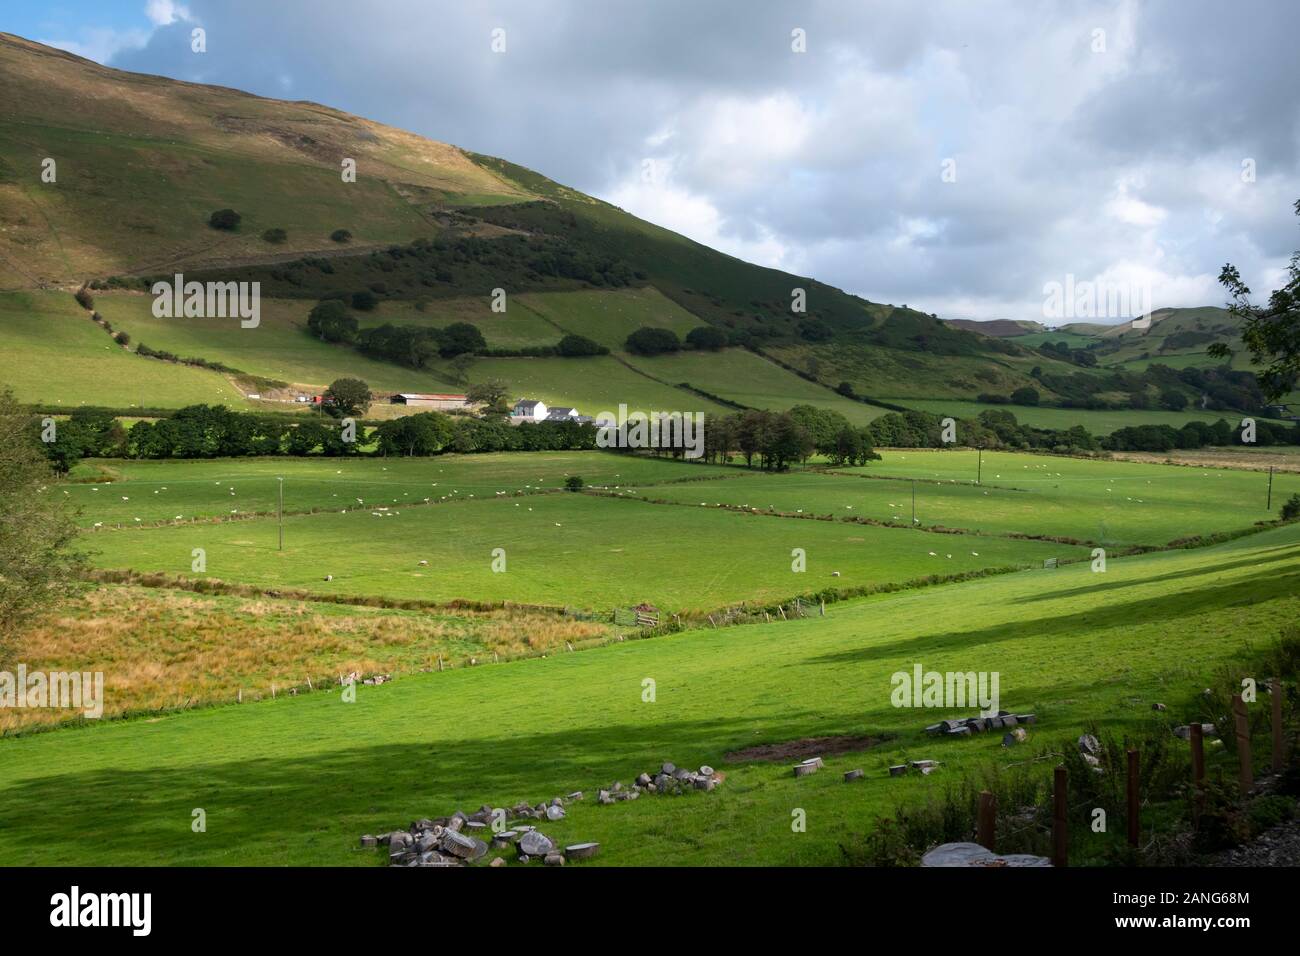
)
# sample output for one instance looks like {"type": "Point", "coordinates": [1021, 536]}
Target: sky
{"type": "Point", "coordinates": [964, 158]}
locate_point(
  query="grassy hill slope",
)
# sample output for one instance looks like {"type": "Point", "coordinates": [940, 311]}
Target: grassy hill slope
{"type": "Point", "coordinates": [297, 780]}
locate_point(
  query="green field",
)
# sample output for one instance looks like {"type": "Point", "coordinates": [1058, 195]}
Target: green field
{"type": "Point", "coordinates": [740, 376]}
{"type": "Point", "coordinates": [54, 354]}
{"type": "Point", "coordinates": [162, 490]}
{"type": "Point", "coordinates": [562, 549]}
{"type": "Point", "coordinates": [296, 781]}
{"type": "Point", "coordinates": [1116, 503]}
{"type": "Point", "coordinates": [278, 348]}
{"type": "Point", "coordinates": [1043, 416]}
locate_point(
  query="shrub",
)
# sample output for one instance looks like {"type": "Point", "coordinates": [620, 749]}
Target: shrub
{"type": "Point", "coordinates": [85, 299]}
{"type": "Point", "coordinates": [706, 337]}
{"type": "Point", "coordinates": [341, 235]}
{"type": "Point", "coordinates": [364, 301]}
{"type": "Point", "coordinates": [574, 346]}
{"type": "Point", "coordinates": [573, 483]}
{"type": "Point", "coordinates": [275, 236]}
{"type": "Point", "coordinates": [226, 219]}
{"type": "Point", "coordinates": [1025, 396]}
{"type": "Point", "coordinates": [122, 338]}
{"type": "Point", "coordinates": [651, 341]}
{"type": "Point", "coordinates": [1291, 510]}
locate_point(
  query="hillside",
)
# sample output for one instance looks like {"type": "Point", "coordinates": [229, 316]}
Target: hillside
{"type": "Point", "coordinates": [143, 161]}
{"type": "Point", "coordinates": [998, 328]}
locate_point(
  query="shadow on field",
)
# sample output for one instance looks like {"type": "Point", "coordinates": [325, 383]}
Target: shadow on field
{"type": "Point", "coordinates": [1288, 553]}
{"type": "Point", "coordinates": [1165, 608]}
{"type": "Point", "coordinates": [273, 811]}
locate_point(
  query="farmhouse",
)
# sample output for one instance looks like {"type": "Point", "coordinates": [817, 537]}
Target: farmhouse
{"type": "Point", "coordinates": [561, 414]}
{"type": "Point", "coordinates": [444, 403]}
{"type": "Point", "coordinates": [528, 409]}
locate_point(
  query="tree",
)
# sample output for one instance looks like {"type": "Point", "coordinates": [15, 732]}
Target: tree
{"type": "Point", "coordinates": [347, 396]}
{"type": "Point", "coordinates": [706, 338]}
{"type": "Point", "coordinates": [37, 563]}
{"type": "Point", "coordinates": [85, 299]}
{"type": "Point", "coordinates": [1025, 396]}
{"type": "Point", "coordinates": [460, 338]}
{"type": "Point", "coordinates": [1173, 399]}
{"type": "Point", "coordinates": [651, 341]}
{"type": "Point", "coordinates": [578, 346]}
{"type": "Point", "coordinates": [364, 301]}
{"type": "Point", "coordinates": [226, 219]}
{"type": "Point", "coordinates": [846, 389]}
{"type": "Point", "coordinates": [490, 394]}
{"type": "Point", "coordinates": [814, 330]}
{"type": "Point", "coordinates": [341, 235]}
{"type": "Point", "coordinates": [1271, 332]}
{"type": "Point", "coordinates": [330, 321]}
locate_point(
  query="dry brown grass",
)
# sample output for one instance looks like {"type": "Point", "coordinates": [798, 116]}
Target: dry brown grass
{"type": "Point", "coordinates": [161, 649]}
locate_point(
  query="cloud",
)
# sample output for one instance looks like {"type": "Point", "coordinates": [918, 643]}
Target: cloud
{"type": "Point", "coordinates": [1097, 138]}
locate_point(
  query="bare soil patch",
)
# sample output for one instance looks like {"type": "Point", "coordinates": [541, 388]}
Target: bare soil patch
{"type": "Point", "coordinates": [806, 747]}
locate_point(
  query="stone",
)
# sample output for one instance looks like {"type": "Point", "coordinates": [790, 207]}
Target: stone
{"type": "Point", "coordinates": [534, 843]}
{"type": "Point", "coordinates": [805, 769]}
{"type": "Point", "coordinates": [815, 760]}
{"type": "Point", "coordinates": [369, 840]}
{"type": "Point", "coordinates": [705, 783]}
{"type": "Point", "coordinates": [662, 780]}
{"type": "Point", "coordinates": [1089, 744]}
{"type": "Point", "coordinates": [581, 851]}
{"type": "Point", "coordinates": [576, 795]}
{"type": "Point", "coordinates": [852, 775]}
{"type": "Point", "coordinates": [898, 770]}
{"type": "Point", "coordinates": [643, 779]}
{"type": "Point", "coordinates": [922, 764]}
{"type": "Point", "coordinates": [1159, 707]}
{"type": "Point", "coordinates": [554, 813]}
{"type": "Point", "coordinates": [1027, 718]}
{"type": "Point", "coordinates": [524, 858]}
{"type": "Point", "coordinates": [604, 797]}
{"type": "Point", "coordinates": [474, 826]}
{"type": "Point", "coordinates": [1014, 737]}
{"type": "Point", "coordinates": [499, 861]}
{"type": "Point", "coordinates": [554, 859]}
{"type": "Point", "coordinates": [972, 854]}
{"type": "Point", "coordinates": [400, 839]}
{"type": "Point", "coordinates": [668, 768]}
{"type": "Point", "coordinates": [706, 771]}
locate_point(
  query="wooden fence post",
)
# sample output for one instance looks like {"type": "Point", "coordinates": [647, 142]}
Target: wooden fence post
{"type": "Point", "coordinates": [1275, 693]}
{"type": "Point", "coordinates": [1132, 797]}
{"type": "Point", "coordinates": [1247, 779]}
{"type": "Point", "coordinates": [1060, 813]}
{"type": "Point", "coordinates": [986, 829]}
{"type": "Point", "coordinates": [1197, 738]}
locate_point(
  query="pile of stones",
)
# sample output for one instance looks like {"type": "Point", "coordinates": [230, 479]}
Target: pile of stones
{"type": "Point", "coordinates": [463, 839]}
{"type": "Point", "coordinates": [965, 726]}
{"type": "Point", "coordinates": [669, 779]}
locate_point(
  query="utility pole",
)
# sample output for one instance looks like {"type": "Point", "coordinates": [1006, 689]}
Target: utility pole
{"type": "Point", "coordinates": [979, 474]}
{"type": "Point", "coordinates": [281, 512]}
{"type": "Point", "coordinates": [913, 502]}
{"type": "Point", "coordinates": [1269, 506]}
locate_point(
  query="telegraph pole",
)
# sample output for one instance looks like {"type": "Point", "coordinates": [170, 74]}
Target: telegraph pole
{"type": "Point", "coordinates": [913, 502]}
{"type": "Point", "coordinates": [281, 512]}
{"type": "Point", "coordinates": [979, 474]}
{"type": "Point", "coordinates": [1269, 506]}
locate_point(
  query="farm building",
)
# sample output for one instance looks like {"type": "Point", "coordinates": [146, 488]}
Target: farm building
{"type": "Point", "coordinates": [528, 409]}
{"type": "Point", "coordinates": [561, 414]}
{"type": "Point", "coordinates": [444, 403]}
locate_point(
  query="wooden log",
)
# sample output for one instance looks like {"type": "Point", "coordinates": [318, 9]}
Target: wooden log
{"type": "Point", "coordinates": [1246, 775]}
{"type": "Point", "coordinates": [1060, 814]}
{"type": "Point", "coordinates": [987, 825]}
